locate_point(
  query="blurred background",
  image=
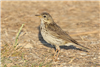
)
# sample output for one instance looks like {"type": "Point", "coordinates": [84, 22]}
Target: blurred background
{"type": "Point", "coordinates": [78, 18]}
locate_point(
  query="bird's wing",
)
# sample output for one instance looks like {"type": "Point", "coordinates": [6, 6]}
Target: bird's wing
{"type": "Point", "coordinates": [55, 30]}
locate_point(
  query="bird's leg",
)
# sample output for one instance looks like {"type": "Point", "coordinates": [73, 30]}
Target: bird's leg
{"type": "Point", "coordinates": [57, 51]}
{"type": "Point", "coordinates": [57, 54]}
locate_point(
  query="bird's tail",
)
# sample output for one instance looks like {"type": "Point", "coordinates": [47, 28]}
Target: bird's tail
{"type": "Point", "coordinates": [82, 46]}
{"type": "Point", "coordinates": [76, 44]}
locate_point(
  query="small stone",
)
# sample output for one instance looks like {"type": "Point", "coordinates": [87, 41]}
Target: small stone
{"type": "Point", "coordinates": [99, 53]}
{"type": "Point", "coordinates": [58, 58]}
{"type": "Point", "coordinates": [10, 65]}
{"type": "Point", "coordinates": [64, 66]}
{"type": "Point", "coordinates": [28, 46]}
{"type": "Point", "coordinates": [63, 63]}
{"type": "Point", "coordinates": [25, 45]}
{"type": "Point", "coordinates": [83, 53]}
{"type": "Point", "coordinates": [98, 56]}
{"type": "Point", "coordinates": [94, 58]}
{"type": "Point", "coordinates": [62, 56]}
{"type": "Point", "coordinates": [0, 62]}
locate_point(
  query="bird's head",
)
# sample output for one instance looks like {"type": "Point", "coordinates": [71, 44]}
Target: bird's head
{"type": "Point", "coordinates": [45, 17]}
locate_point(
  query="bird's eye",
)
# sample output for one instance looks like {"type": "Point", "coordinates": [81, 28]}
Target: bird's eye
{"type": "Point", "coordinates": [44, 16]}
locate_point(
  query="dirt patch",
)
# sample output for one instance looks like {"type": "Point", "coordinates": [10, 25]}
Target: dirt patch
{"type": "Point", "coordinates": [79, 19]}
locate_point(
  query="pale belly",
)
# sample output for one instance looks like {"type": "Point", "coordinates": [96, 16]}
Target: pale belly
{"type": "Point", "coordinates": [51, 39]}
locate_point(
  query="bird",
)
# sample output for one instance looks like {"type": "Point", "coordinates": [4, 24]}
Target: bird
{"type": "Point", "coordinates": [53, 34]}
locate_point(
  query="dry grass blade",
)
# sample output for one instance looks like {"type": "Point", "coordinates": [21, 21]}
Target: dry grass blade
{"type": "Point", "coordinates": [90, 32]}
{"type": "Point", "coordinates": [16, 41]}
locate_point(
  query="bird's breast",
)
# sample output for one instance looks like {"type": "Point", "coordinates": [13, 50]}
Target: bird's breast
{"type": "Point", "coordinates": [48, 37]}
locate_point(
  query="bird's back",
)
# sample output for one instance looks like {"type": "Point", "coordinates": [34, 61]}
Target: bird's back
{"type": "Point", "coordinates": [55, 31]}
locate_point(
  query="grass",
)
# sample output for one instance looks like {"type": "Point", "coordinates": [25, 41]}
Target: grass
{"type": "Point", "coordinates": [10, 51]}
{"type": "Point", "coordinates": [47, 64]}
{"type": "Point", "coordinates": [16, 41]}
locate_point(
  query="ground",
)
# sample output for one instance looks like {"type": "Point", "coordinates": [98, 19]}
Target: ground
{"type": "Point", "coordinates": [80, 19]}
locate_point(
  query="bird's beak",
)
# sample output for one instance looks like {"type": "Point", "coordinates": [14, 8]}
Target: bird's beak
{"type": "Point", "coordinates": [38, 15]}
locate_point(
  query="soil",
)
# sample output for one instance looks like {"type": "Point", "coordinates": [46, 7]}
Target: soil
{"type": "Point", "coordinates": [78, 18]}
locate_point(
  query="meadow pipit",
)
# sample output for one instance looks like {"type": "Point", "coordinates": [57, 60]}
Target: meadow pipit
{"type": "Point", "coordinates": [53, 34]}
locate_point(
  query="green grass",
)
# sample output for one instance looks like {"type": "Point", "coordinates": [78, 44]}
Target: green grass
{"type": "Point", "coordinates": [47, 64]}
{"type": "Point", "coordinates": [16, 41]}
{"type": "Point", "coordinates": [9, 50]}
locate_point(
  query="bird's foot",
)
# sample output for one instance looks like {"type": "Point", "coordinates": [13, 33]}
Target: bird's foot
{"type": "Point", "coordinates": [55, 57]}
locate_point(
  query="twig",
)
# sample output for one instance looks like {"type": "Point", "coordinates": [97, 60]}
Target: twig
{"type": "Point", "coordinates": [82, 38]}
{"type": "Point", "coordinates": [90, 32]}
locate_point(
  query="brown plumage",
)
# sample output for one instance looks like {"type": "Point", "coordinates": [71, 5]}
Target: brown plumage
{"type": "Point", "coordinates": [56, 31]}
{"type": "Point", "coordinates": [53, 34]}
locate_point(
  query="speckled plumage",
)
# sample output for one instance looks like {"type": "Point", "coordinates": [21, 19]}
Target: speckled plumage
{"type": "Point", "coordinates": [53, 34]}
